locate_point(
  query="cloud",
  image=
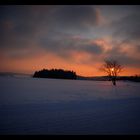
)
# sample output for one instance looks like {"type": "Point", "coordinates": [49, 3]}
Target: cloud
{"type": "Point", "coordinates": [125, 38]}
{"type": "Point", "coordinates": [22, 24]}
{"type": "Point", "coordinates": [63, 47]}
{"type": "Point", "coordinates": [19, 24]}
{"type": "Point", "coordinates": [71, 33]}
{"type": "Point", "coordinates": [128, 27]}
{"type": "Point", "coordinates": [127, 55]}
{"type": "Point", "coordinates": [76, 16]}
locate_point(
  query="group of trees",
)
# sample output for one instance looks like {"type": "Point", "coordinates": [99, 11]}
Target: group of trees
{"type": "Point", "coordinates": [55, 73]}
{"type": "Point", "coordinates": [111, 67]}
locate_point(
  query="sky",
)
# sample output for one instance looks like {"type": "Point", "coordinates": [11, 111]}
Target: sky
{"type": "Point", "coordinates": [71, 37]}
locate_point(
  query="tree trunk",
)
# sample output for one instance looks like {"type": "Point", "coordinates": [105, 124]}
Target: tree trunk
{"type": "Point", "coordinates": [114, 82]}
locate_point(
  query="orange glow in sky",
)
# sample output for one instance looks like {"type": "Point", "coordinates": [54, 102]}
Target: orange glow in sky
{"type": "Point", "coordinates": [49, 61]}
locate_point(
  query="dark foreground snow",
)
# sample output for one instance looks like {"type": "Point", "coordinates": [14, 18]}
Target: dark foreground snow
{"type": "Point", "coordinates": [49, 106]}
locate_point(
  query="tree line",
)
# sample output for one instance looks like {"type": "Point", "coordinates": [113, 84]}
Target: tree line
{"type": "Point", "coordinates": [55, 73]}
{"type": "Point", "coordinates": [111, 67]}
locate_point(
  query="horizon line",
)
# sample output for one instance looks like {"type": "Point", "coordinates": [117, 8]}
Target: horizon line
{"type": "Point", "coordinates": [22, 73]}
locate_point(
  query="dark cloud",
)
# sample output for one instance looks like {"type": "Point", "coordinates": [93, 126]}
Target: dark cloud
{"type": "Point", "coordinates": [75, 17]}
{"type": "Point", "coordinates": [122, 57]}
{"type": "Point", "coordinates": [128, 27]}
{"type": "Point", "coordinates": [126, 60]}
{"type": "Point", "coordinates": [19, 24]}
{"type": "Point", "coordinates": [93, 48]}
{"type": "Point", "coordinates": [68, 44]}
{"type": "Point", "coordinates": [22, 24]}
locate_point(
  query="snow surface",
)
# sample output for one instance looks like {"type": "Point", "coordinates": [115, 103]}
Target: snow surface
{"type": "Point", "coordinates": [53, 106]}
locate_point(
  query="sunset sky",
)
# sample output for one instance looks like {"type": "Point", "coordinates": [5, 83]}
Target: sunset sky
{"type": "Point", "coordinates": [71, 37]}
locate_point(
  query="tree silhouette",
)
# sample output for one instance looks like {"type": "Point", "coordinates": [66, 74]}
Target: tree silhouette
{"type": "Point", "coordinates": [112, 68]}
{"type": "Point", "coordinates": [55, 73]}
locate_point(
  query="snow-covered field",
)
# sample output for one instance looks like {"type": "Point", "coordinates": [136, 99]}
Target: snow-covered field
{"type": "Point", "coordinates": [50, 106]}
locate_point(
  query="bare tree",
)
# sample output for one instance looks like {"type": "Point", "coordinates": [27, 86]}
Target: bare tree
{"type": "Point", "coordinates": [112, 68]}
